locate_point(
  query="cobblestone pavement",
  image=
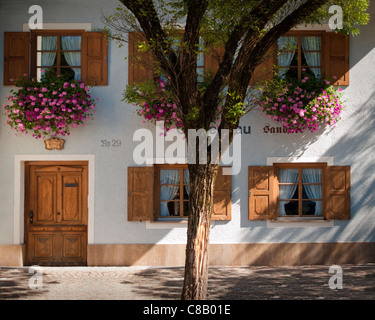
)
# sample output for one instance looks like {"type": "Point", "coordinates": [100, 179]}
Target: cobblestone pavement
{"type": "Point", "coordinates": [148, 283]}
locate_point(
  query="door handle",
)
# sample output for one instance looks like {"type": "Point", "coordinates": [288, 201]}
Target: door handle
{"type": "Point", "coordinates": [31, 215]}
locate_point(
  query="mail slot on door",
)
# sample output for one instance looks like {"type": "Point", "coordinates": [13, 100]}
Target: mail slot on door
{"type": "Point", "coordinates": [71, 185]}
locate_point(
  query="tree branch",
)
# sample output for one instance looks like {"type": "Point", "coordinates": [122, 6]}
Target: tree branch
{"type": "Point", "coordinates": [253, 51]}
{"type": "Point", "coordinates": [145, 12]}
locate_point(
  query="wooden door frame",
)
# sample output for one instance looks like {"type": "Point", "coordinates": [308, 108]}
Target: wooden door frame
{"type": "Point", "coordinates": [19, 190]}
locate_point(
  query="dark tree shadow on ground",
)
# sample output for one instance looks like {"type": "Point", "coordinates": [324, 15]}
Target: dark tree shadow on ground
{"type": "Point", "coordinates": [14, 284]}
{"type": "Point", "coordinates": [262, 283]}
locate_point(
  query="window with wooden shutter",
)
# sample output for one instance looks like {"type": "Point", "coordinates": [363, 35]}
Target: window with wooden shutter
{"type": "Point", "coordinates": [94, 59]}
{"type": "Point", "coordinates": [222, 197]}
{"type": "Point", "coordinates": [299, 191]}
{"type": "Point", "coordinates": [337, 57]}
{"type": "Point", "coordinates": [162, 193]}
{"type": "Point", "coordinates": [16, 55]}
{"type": "Point", "coordinates": [140, 193]}
{"type": "Point", "coordinates": [337, 193]}
{"type": "Point", "coordinates": [262, 193]}
{"type": "Point", "coordinates": [140, 65]}
{"type": "Point", "coordinates": [77, 54]}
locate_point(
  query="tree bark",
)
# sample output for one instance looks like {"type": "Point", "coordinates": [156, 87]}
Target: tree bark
{"type": "Point", "coordinates": [202, 180]}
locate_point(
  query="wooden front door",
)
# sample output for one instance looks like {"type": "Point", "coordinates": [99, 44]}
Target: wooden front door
{"type": "Point", "coordinates": [56, 213]}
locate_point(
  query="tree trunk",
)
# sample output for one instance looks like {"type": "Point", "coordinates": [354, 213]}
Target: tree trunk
{"type": "Point", "coordinates": [202, 179]}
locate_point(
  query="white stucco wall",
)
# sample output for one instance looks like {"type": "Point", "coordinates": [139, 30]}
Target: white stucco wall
{"type": "Point", "coordinates": [350, 143]}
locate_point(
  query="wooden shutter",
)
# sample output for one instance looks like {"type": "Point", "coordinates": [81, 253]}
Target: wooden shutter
{"type": "Point", "coordinates": [140, 63]}
{"type": "Point", "coordinates": [222, 197]}
{"type": "Point", "coordinates": [16, 55]}
{"type": "Point", "coordinates": [94, 59]}
{"type": "Point", "coordinates": [140, 193]}
{"type": "Point", "coordinates": [337, 193]}
{"type": "Point", "coordinates": [265, 70]}
{"type": "Point", "coordinates": [337, 57]}
{"type": "Point", "coordinates": [262, 193]}
{"type": "Point", "coordinates": [212, 58]}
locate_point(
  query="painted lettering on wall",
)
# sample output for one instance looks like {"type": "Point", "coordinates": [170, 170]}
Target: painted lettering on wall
{"type": "Point", "coordinates": [244, 129]}
{"type": "Point", "coordinates": [274, 130]}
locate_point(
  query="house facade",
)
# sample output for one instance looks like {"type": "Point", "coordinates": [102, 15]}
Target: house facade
{"type": "Point", "coordinates": [301, 198]}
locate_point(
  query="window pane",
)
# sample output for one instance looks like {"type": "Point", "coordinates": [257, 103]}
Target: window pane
{"type": "Point", "coordinates": [288, 192]}
{"type": "Point", "coordinates": [77, 73]}
{"type": "Point", "coordinates": [288, 175]}
{"type": "Point", "coordinates": [312, 191]}
{"type": "Point", "coordinates": [42, 72]}
{"type": "Point", "coordinates": [70, 73]}
{"type": "Point", "coordinates": [200, 59]}
{"type": "Point", "coordinates": [46, 43]}
{"type": "Point", "coordinates": [186, 208]}
{"type": "Point", "coordinates": [169, 192]}
{"type": "Point", "coordinates": [288, 208]}
{"type": "Point", "coordinates": [312, 72]}
{"type": "Point", "coordinates": [170, 208]}
{"type": "Point", "coordinates": [71, 43]}
{"type": "Point", "coordinates": [46, 59]}
{"type": "Point", "coordinates": [169, 176]}
{"type": "Point", "coordinates": [311, 175]}
{"type": "Point", "coordinates": [287, 43]}
{"type": "Point", "coordinates": [290, 73]}
{"type": "Point", "coordinates": [71, 59]}
{"type": "Point", "coordinates": [311, 59]}
{"type": "Point", "coordinates": [312, 208]}
{"type": "Point", "coordinates": [186, 192]}
{"type": "Point", "coordinates": [311, 43]}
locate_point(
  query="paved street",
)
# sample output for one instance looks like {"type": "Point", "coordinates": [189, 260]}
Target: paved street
{"type": "Point", "coordinates": [225, 283]}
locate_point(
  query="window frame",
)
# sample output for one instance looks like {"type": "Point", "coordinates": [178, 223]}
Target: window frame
{"type": "Point", "coordinates": [307, 33]}
{"type": "Point", "coordinates": [300, 167]}
{"type": "Point", "coordinates": [59, 34]}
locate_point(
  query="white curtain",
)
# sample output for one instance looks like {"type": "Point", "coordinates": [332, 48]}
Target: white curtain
{"type": "Point", "coordinates": [168, 192]}
{"type": "Point", "coordinates": [313, 191]}
{"type": "Point", "coordinates": [312, 58]}
{"type": "Point", "coordinates": [48, 58]}
{"type": "Point", "coordinates": [286, 57]}
{"type": "Point", "coordinates": [72, 58]}
{"type": "Point", "coordinates": [287, 191]}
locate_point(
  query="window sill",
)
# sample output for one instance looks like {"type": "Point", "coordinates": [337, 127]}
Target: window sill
{"type": "Point", "coordinates": [307, 222]}
{"type": "Point", "coordinates": [166, 223]}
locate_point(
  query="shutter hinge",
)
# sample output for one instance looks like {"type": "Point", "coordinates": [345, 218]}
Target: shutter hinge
{"type": "Point", "coordinates": [129, 194]}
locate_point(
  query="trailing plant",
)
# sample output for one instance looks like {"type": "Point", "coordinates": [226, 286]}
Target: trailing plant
{"type": "Point", "coordinates": [49, 106]}
{"type": "Point", "coordinates": [155, 102]}
{"type": "Point", "coordinates": [302, 105]}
